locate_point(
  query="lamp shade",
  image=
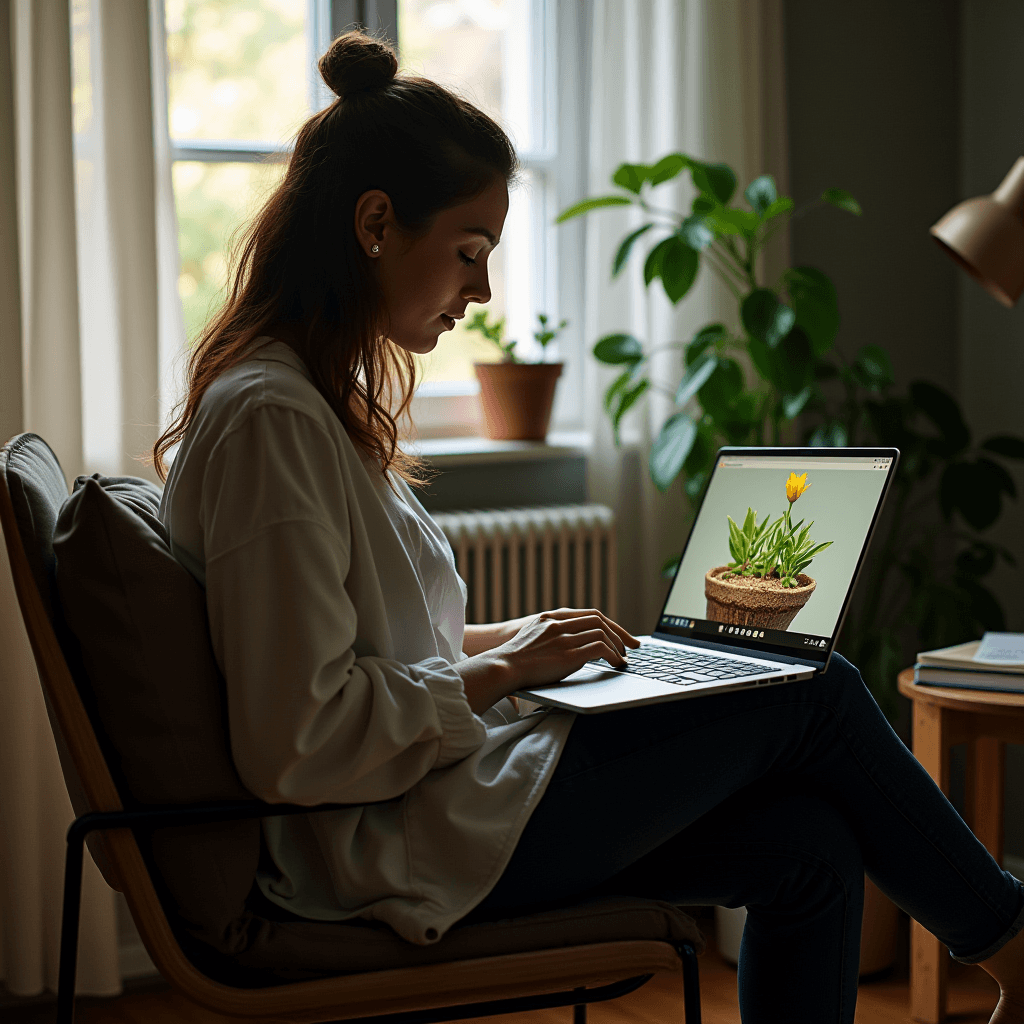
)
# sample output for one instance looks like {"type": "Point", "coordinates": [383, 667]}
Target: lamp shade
{"type": "Point", "coordinates": [985, 236]}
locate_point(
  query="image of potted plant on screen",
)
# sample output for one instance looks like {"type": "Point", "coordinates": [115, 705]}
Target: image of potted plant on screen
{"type": "Point", "coordinates": [765, 584]}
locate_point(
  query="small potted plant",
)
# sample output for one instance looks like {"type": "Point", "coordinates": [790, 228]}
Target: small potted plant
{"type": "Point", "coordinates": [765, 584]}
{"type": "Point", "coordinates": [516, 396]}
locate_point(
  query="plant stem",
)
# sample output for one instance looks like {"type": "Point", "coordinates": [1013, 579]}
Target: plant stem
{"type": "Point", "coordinates": [729, 261]}
{"type": "Point", "coordinates": [720, 270]}
{"type": "Point", "coordinates": [656, 211]}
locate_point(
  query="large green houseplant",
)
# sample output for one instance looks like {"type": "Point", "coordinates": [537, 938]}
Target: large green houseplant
{"type": "Point", "coordinates": [777, 376]}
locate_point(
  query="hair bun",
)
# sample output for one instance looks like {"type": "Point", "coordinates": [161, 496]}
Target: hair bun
{"type": "Point", "coordinates": [355, 62]}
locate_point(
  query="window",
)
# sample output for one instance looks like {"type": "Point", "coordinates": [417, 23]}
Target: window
{"type": "Point", "coordinates": [242, 78]}
{"type": "Point", "coordinates": [238, 88]}
{"type": "Point", "coordinates": [495, 53]}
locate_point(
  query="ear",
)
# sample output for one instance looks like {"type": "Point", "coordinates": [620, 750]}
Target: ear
{"type": "Point", "coordinates": [374, 221]}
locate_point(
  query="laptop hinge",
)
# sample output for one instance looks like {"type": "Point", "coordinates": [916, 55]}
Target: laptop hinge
{"type": "Point", "coordinates": [740, 652]}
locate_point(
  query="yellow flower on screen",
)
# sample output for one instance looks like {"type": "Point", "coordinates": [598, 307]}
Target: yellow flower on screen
{"type": "Point", "coordinates": [795, 486]}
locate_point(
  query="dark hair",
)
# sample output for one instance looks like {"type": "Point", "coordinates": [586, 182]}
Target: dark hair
{"type": "Point", "coordinates": [299, 271]}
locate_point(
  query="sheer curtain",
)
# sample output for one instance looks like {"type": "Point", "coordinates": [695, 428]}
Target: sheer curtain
{"type": "Point", "coordinates": [703, 77]}
{"type": "Point", "coordinates": [88, 317]}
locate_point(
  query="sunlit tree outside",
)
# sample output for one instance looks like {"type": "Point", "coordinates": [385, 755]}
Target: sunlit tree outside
{"type": "Point", "coordinates": [237, 71]}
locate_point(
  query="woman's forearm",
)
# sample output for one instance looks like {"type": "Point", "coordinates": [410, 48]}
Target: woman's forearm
{"type": "Point", "coordinates": [478, 639]}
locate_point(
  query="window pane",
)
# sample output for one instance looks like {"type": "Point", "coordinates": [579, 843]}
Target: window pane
{"type": "Point", "coordinates": [237, 69]}
{"type": "Point", "coordinates": [214, 202]}
{"type": "Point", "coordinates": [485, 49]}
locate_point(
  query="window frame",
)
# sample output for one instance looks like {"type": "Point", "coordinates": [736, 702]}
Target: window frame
{"type": "Point", "coordinates": [557, 162]}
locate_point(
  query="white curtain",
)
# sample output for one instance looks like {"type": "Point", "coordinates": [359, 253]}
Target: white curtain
{"type": "Point", "coordinates": [88, 316]}
{"type": "Point", "coordinates": [703, 77]}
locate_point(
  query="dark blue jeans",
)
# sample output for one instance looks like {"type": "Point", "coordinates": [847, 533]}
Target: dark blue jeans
{"type": "Point", "coordinates": [776, 798]}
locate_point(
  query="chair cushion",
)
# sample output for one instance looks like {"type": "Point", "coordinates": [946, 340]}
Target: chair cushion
{"type": "Point", "coordinates": [38, 490]}
{"type": "Point", "coordinates": [140, 620]}
{"type": "Point", "coordinates": [279, 951]}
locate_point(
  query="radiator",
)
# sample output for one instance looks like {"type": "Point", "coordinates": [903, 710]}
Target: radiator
{"type": "Point", "coordinates": [516, 561]}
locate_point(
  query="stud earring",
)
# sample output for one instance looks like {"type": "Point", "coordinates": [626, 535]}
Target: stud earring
{"type": "Point", "coordinates": [375, 248]}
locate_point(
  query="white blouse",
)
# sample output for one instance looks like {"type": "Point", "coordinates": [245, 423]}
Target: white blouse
{"type": "Point", "coordinates": [336, 615]}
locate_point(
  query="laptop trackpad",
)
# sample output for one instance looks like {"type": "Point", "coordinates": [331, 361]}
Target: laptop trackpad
{"type": "Point", "coordinates": [596, 687]}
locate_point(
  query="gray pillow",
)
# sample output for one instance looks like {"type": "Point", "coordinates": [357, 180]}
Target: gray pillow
{"type": "Point", "coordinates": [140, 620]}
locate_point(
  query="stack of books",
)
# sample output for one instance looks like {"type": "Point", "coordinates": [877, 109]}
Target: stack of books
{"type": "Point", "coordinates": [959, 666]}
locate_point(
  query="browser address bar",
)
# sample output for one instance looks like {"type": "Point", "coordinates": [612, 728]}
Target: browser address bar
{"type": "Point", "coordinates": [867, 464]}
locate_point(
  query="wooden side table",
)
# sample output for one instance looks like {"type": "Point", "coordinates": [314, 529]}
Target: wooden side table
{"type": "Point", "coordinates": [944, 716]}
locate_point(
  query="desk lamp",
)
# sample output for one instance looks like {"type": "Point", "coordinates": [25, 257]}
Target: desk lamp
{"type": "Point", "coordinates": [985, 235]}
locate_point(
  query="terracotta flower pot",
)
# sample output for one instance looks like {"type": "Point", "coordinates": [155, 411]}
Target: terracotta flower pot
{"type": "Point", "coordinates": [516, 399]}
{"type": "Point", "coordinates": [749, 601]}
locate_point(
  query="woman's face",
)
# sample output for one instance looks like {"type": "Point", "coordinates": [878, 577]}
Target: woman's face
{"type": "Point", "coordinates": [428, 280]}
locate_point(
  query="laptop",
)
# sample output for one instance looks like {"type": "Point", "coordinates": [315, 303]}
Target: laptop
{"type": "Point", "coordinates": [745, 607]}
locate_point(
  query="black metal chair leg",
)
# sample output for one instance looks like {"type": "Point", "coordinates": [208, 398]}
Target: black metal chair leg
{"type": "Point", "coordinates": [579, 1011]}
{"type": "Point", "coordinates": [691, 983]}
{"type": "Point", "coordinates": [69, 918]}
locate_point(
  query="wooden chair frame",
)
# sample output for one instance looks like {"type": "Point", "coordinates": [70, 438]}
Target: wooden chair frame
{"type": "Point", "coordinates": [568, 976]}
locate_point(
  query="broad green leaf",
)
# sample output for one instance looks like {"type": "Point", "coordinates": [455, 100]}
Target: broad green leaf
{"type": "Point", "coordinates": [831, 435]}
{"type": "Point", "coordinates": [631, 176]}
{"type": "Point", "coordinates": [592, 204]}
{"type": "Point", "coordinates": [667, 167]}
{"type": "Point", "coordinates": [814, 302]}
{"type": "Point", "coordinates": [618, 348]}
{"type": "Point", "coordinates": [721, 389]}
{"type": "Point", "coordinates": [626, 247]}
{"type": "Point", "coordinates": [792, 405]}
{"type": "Point", "coordinates": [671, 567]}
{"type": "Point", "coordinates": [624, 381]}
{"type": "Point", "coordinates": [652, 266]}
{"type": "Point", "coordinates": [1006, 445]}
{"type": "Point", "coordinates": [765, 318]}
{"type": "Point", "coordinates": [997, 476]}
{"type": "Point", "coordinates": [704, 339]}
{"type": "Point", "coordinates": [795, 362]}
{"type": "Point", "coordinates": [781, 205]}
{"type": "Point", "coordinates": [727, 221]}
{"type": "Point", "coordinates": [679, 265]}
{"type": "Point", "coordinates": [703, 204]}
{"type": "Point", "coordinates": [978, 560]}
{"type": "Point", "coordinates": [669, 451]}
{"type": "Point", "coordinates": [628, 400]}
{"type": "Point", "coordinates": [761, 193]}
{"type": "Point", "coordinates": [694, 378]}
{"type": "Point", "coordinates": [971, 489]}
{"type": "Point", "coordinates": [942, 409]}
{"type": "Point", "coordinates": [697, 466]}
{"type": "Point", "coordinates": [842, 199]}
{"type": "Point", "coordinates": [716, 180]}
{"type": "Point", "coordinates": [873, 368]}
{"type": "Point", "coordinates": [696, 233]}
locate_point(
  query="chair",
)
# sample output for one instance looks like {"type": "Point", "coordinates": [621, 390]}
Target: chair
{"type": "Point", "coordinates": [576, 972]}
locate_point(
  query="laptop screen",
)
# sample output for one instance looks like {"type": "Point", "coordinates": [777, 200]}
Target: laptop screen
{"type": "Point", "coordinates": [776, 547]}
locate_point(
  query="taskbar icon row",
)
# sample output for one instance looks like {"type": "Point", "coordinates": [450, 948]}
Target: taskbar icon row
{"type": "Point", "coordinates": [740, 631]}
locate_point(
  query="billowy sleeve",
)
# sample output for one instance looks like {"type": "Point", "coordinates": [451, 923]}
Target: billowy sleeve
{"type": "Point", "coordinates": [310, 721]}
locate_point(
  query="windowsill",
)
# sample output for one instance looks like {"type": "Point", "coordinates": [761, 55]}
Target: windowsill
{"type": "Point", "coordinates": [467, 451]}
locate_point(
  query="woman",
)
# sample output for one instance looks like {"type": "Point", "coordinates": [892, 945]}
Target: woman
{"type": "Point", "coordinates": [338, 621]}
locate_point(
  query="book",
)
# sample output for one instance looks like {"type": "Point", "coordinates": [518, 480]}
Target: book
{"type": "Point", "coordinates": [969, 678]}
{"type": "Point", "coordinates": [962, 656]}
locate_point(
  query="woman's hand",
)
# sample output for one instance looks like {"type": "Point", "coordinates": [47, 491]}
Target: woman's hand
{"type": "Point", "coordinates": [555, 644]}
{"type": "Point", "coordinates": [548, 647]}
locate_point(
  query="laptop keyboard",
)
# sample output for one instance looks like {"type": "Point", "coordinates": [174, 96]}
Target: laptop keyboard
{"type": "Point", "coordinates": [686, 667]}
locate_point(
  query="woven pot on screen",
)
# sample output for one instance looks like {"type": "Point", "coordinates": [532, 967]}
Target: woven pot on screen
{"type": "Point", "coordinates": [739, 602]}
